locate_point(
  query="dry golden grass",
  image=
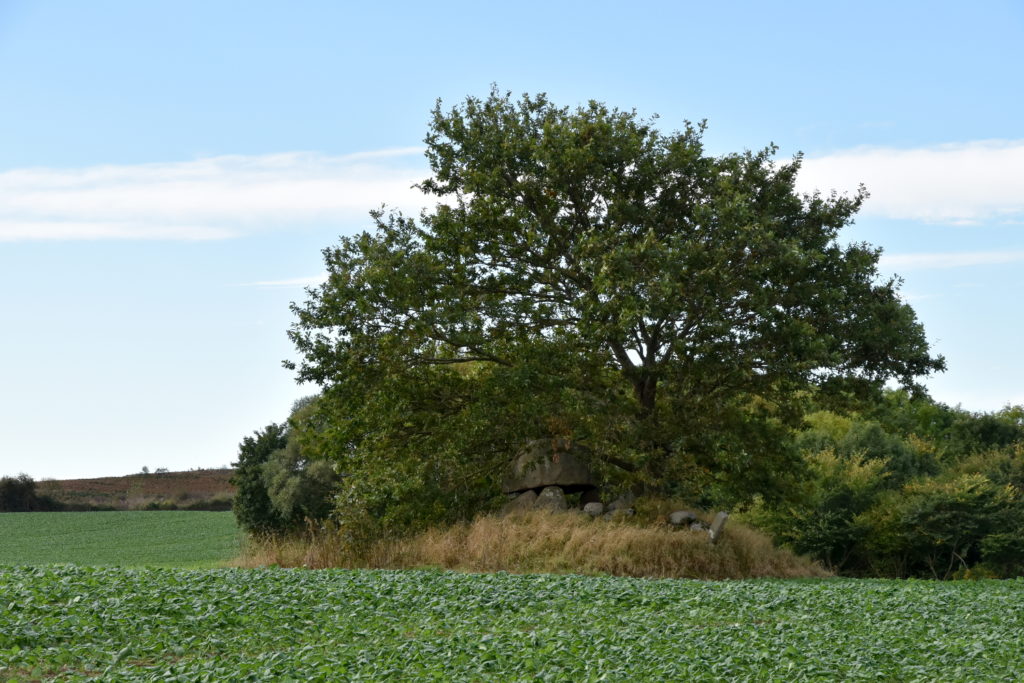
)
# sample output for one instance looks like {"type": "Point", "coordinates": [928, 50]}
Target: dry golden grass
{"type": "Point", "coordinates": [551, 543]}
{"type": "Point", "coordinates": [317, 547]}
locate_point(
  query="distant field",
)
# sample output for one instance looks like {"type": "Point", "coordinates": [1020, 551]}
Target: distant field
{"type": "Point", "coordinates": [192, 490]}
{"type": "Point", "coordinates": [128, 539]}
{"type": "Point", "coordinates": [116, 624]}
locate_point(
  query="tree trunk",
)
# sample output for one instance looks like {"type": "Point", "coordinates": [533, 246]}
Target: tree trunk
{"type": "Point", "coordinates": [646, 389]}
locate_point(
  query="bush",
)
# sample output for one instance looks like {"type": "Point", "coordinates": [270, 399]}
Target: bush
{"type": "Point", "coordinates": [936, 527]}
{"type": "Point", "coordinates": [954, 433]}
{"type": "Point", "coordinates": [280, 478]}
{"type": "Point", "coordinates": [823, 520]}
{"type": "Point", "coordinates": [910, 488]}
{"type": "Point", "coordinates": [18, 494]}
{"type": "Point", "coordinates": [251, 504]}
{"type": "Point", "coordinates": [298, 488]}
{"type": "Point", "coordinates": [905, 458]}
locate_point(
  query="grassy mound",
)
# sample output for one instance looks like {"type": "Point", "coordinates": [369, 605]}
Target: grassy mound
{"type": "Point", "coordinates": [540, 542]}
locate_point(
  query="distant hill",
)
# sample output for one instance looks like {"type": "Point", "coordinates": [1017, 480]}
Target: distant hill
{"type": "Point", "coordinates": [193, 490]}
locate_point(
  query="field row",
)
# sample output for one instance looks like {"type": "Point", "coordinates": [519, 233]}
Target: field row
{"type": "Point", "coordinates": [231, 624]}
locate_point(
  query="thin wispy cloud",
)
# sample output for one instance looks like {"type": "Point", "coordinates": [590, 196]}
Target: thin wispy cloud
{"type": "Point", "coordinates": [210, 198]}
{"type": "Point", "coordinates": [959, 259]}
{"type": "Point", "coordinates": [25, 228]}
{"type": "Point", "coordinates": [221, 197]}
{"type": "Point", "coordinates": [963, 183]}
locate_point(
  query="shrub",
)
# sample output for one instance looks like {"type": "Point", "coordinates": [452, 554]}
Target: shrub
{"type": "Point", "coordinates": [282, 480]}
{"type": "Point", "coordinates": [18, 494]}
{"type": "Point", "coordinates": [823, 521]}
{"type": "Point", "coordinates": [251, 504]}
{"type": "Point", "coordinates": [905, 458]}
{"type": "Point", "coordinates": [299, 488]}
{"type": "Point", "coordinates": [935, 527]}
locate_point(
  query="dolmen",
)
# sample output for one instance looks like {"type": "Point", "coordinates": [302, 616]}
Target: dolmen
{"type": "Point", "coordinates": [543, 472]}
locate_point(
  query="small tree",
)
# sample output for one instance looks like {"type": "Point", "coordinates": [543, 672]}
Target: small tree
{"type": "Point", "coordinates": [282, 480]}
{"type": "Point", "coordinates": [299, 488]}
{"type": "Point", "coordinates": [251, 504]}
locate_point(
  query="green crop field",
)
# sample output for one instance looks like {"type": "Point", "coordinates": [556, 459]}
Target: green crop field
{"type": "Point", "coordinates": [117, 624]}
{"type": "Point", "coordinates": [163, 538]}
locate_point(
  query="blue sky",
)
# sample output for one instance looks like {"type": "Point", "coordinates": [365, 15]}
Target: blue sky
{"type": "Point", "coordinates": [170, 171]}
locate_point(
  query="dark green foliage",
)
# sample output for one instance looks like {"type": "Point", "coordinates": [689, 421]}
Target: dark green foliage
{"type": "Point", "coordinates": [588, 276]}
{"type": "Point", "coordinates": [823, 519]}
{"type": "Point", "coordinates": [853, 437]}
{"type": "Point", "coordinates": [300, 483]}
{"type": "Point", "coordinates": [955, 433]}
{"type": "Point", "coordinates": [919, 489]}
{"type": "Point", "coordinates": [1002, 552]}
{"type": "Point", "coordinates": [1003, 466]}
{"type": "Point", "coordinates": [252, 505]}
{"type": "Point", "coordinates": [902, 462]}
{"type": "Point", "coordinates": [18, 494]}
{"type": "Point", "coordinates": [936, 527]}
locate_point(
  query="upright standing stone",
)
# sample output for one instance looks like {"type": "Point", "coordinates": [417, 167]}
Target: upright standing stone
{"type": "Point", "coordinates": [717, 526]}
{"type": "Point", "coordinates": [552, 499]}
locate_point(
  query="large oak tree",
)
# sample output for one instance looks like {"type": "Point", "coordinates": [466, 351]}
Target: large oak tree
{"type": "Point", "coordinates": [586, 274]}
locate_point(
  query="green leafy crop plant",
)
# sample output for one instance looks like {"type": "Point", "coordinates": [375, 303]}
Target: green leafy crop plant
{"type": "Point", "coordinates": [116, 624]}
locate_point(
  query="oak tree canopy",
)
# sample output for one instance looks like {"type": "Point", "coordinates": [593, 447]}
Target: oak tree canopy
{"type": "Point", "coordinates": [585, 274]}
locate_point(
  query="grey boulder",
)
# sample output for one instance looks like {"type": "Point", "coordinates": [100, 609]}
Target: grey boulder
{"type": "Point", "coordinates": [623, 502]}
{"type": "Point", "coordinates": [524, 501]}
{"type": "Point", "coordinates": [682, 518]}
